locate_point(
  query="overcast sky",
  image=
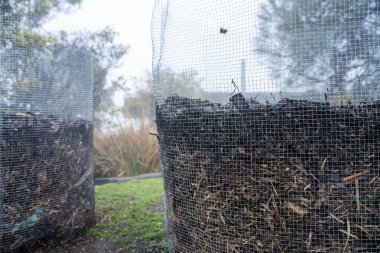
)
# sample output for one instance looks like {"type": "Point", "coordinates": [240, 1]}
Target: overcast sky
{"type": "Point", "coordinates": [198, 45]}
{"type": "Point", "coordinates": [130, 18]}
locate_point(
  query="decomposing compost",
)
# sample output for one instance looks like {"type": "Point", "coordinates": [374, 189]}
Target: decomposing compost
{"type": "Point", "coordinates": [294, 176]}
{"type": "Point", "coordinates": [46, 179]}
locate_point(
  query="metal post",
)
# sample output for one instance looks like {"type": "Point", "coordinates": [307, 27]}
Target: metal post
{"type": "Point", "coordinates": [242, 78]}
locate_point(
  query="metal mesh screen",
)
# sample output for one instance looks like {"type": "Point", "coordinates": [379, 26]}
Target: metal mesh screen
{"type": "Point", "coordinates": [268, 117]}
{"type": "Point", "coordinates": [46, 184]}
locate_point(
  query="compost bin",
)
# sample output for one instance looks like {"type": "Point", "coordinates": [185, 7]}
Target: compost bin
{"type": "Point", "coordinates": [268, 117]}
{"type": "Point", "coordinates": [46, 124]}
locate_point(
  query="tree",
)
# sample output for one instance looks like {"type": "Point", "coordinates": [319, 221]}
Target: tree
{"type": "Point", "coordinates": [38, 64]}
{"type": "Point", "coordinates": [34, 66]}
{"type": "Point", "coordinates": [185, 83]}
{"type": "Point", "coordinates": [141, 104]}
{"type": "Point", "coordinates": [107, 55]}
{"type": "Point", "coordinates": [38, 9]}
{"type": "Point", "coordinates": [322, 43]}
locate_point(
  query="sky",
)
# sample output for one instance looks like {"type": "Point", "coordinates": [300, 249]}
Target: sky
{"type": "Point", "coordinates": [191, 42]}
{"type": "Point", "coordinates": [130, 18]}
{"type": "Point", "coordinates": [198, 45]}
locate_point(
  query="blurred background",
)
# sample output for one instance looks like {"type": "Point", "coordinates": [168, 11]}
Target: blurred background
{"type": "Point", "coordinates": [118, 35]}
{"type": "Point", "coordinates": [277, 53]}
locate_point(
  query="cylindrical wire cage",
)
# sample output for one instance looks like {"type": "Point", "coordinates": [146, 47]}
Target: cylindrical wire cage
{"type": "Point", "coordinates": [268, 120]}
{"type": "Point", "coordinates": [46, 124]}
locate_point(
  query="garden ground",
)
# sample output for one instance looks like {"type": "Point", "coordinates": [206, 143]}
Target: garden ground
{"type": "Point", "coordinates": [130, 219]}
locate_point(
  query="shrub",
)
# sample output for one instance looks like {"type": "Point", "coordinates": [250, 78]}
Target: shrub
{"type": "Point", "coordinates": [127, 150]}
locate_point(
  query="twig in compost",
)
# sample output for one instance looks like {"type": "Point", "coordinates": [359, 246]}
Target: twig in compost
{"type": "Point", "coordinates": [323, 164]}
{"type": "Point", "coordinates": [235, 87]}
{"type": "Point", "coordinates": [364, 230]}
{"type": "Point", "coordinates": [336, 218]}
{"type": "Point", "coordinates": [364, 172]}
{"type": "Point", "coordinates": [158, 137]}
{"type": "Point", "coordinates": [357, 195]}
{"type": "Point", "coordinates": [296, 208]}
{"type": "Point", "coordinates": [348, 233]}
{"type": "Point", "coordinates": [311, 174]}
{"type": "Point", "coordinates": [274, 99]}
{"type": "Point", "coordinates": [274, 189]}
{"type": "Point", "coordinates": [82, 179]}
{"type": "Point", "coordinates": [309, 239]}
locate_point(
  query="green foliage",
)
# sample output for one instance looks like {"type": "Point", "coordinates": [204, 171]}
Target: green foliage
{"type": "Point", "coordinates": [317, 43]}
{"type": "Point", "coordinates": [186, 83]}
{"type": "Point", "coordinates": [141, 104]}
{"type": "Point", "coordinates": [107, 55]}
{"type": "Point", "coordinates": [37, 10]}
{"type": "Point", "coordinates": [32, 62]}
{"type": "Point", "coordinates": [26, 38]}
{"type": "Point", "coordinates": [37, 60]}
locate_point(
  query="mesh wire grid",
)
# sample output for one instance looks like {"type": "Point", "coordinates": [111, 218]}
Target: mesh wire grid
{"type": "Point", "coordinates": [46, 127]}
{"type": "Point", "coordinates": [268, 116]}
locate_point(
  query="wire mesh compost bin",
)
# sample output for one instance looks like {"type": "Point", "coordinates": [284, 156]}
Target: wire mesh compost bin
{"type": "Point", "coordinates": [268, 116]}
{"type": "Point", "coordinates": [46, 184]}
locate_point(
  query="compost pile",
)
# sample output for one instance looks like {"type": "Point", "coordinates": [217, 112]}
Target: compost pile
{"type": "Point", "coordinates": [295, 176]}
{"type": "Point", "coordinates": [47, 185]}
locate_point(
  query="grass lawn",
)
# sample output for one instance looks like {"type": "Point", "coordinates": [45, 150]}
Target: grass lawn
{"type": "Point", "coordinates": [130, 219]}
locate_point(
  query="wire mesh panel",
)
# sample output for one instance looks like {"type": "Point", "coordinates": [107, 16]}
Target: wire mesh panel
{"type": "Point", "coordinates": [268, 114]}
{"type": "Point", "coordinates": [45, 136]}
